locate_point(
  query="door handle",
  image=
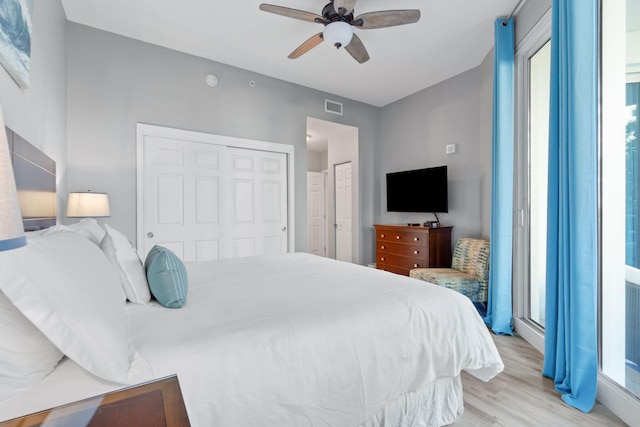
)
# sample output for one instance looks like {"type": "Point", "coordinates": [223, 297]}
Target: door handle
{"type": "Point", "coordinates": [150, 235]}
{"type": "Point", "coordinates": [284, 228]}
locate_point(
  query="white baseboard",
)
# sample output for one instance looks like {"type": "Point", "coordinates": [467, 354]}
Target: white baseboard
{"type": "Point", "coordinates": [529, 333]}
{"type": "Point", "coordinates": [619, 401]}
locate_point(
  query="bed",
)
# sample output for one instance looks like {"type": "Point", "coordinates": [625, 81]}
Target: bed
{"type": "Point", "coordinates": [286, 340]}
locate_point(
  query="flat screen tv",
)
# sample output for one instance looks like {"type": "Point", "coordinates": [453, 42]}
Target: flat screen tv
{"type": "Point", "coordinates": [420, 190]}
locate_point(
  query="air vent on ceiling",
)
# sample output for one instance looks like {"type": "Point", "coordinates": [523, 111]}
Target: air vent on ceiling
{"type": "Point", "coordinates": [333, 107]}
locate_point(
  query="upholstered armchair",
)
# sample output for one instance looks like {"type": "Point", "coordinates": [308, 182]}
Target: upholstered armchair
{"type": "Point", "coordinates": [469, 272]}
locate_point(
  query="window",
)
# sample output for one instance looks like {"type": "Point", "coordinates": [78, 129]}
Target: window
{"type": "Point", "coordinates": [539, 85]}
{"type": "Point", "coordinates": [620, 225]}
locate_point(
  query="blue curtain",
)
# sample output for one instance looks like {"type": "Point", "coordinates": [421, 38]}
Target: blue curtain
{"type": "Point", "coordinates": [571, 319]}
{"type": "Point", "coordinates": [499, 309]}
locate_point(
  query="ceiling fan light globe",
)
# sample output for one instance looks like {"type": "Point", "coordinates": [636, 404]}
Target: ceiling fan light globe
{"type": "Point", "coordinates": [338, 34]}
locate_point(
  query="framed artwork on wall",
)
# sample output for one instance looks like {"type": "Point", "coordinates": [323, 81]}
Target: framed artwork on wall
{"type": "Point", "coordinates": [15, 39]}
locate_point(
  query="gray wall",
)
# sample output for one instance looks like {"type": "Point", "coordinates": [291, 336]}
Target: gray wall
{"type": "Point", "coordinates": [485, 141]}
{"type": "Point", "coordinates": [314, 161]}
{"type": "Point", "coordinates": [39, 113]}
{"type": "Point", "coordinates": [115, 82]}
{"type": "Point", "coordinates": [109, 83]}
{"type": "Point", "coordinates": [413, 134]}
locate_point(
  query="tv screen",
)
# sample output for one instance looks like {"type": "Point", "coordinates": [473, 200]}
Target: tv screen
{"type": "Point", "coordinates": [421, 190]}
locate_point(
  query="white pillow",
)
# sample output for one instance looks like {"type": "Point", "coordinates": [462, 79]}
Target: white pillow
{"type": "Point", "coordinates": [119, 251]}
{"type": "Point", "coordinates": [90, 228]}
{"type": "Point", "coordinates": [87, 227]}
{"type": "Point", "coordinates": [68, 289]}
{"type": "Point", "coordinates": [26, 355]}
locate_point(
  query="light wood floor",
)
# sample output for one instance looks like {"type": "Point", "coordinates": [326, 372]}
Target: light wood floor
{"type": "Point", "coordinates": [520, 396]}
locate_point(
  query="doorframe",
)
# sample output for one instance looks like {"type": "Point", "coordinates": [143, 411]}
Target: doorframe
{"type": "Point", "coordinates": [143, 130]}
{"type": "Point", "coordinates": [343, 146]}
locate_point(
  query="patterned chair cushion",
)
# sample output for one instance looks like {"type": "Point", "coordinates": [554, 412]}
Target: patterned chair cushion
{"type": "Point", "coordinates": [464, 283]}
{"type": "Point", "coordinates": [469, 272]}
{"type": "Point", "coordinates": [472, 257]}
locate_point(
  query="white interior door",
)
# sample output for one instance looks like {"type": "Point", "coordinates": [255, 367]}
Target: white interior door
{"type": "Point", "coordinates": [258, 205]}
{"type": "Point", "coordinates": [343, 192]}
{"type": "Point", "coordinates": [209, 201]}
{"type": "Point", "coordinates": [316, 213]}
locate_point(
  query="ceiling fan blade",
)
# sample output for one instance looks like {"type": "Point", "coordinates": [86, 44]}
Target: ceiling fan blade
{"type": "Point", "coordinates": [386, 18]}
{"type": "Point", "coordinates": [357, 49]}
{"type": "Point", "coordinates": [347, 5]}
{"type": "Point", "coordinates": [306, 46]}
{"type": "Point", "coordinates": [291, 13]}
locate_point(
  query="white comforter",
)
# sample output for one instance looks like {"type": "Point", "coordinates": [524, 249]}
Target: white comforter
{"type": "Point", "coordinates": [299, 340]}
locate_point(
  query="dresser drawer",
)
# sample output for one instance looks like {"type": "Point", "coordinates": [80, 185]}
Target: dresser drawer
{"type": "Point", "coordinates": [401, 261]}
{"type": "Point", "coordinates": [393, 269]}
{"type": "Point", "coordinates": [415, 251]}
{"type": "Point", "coordinates": [402, 236]}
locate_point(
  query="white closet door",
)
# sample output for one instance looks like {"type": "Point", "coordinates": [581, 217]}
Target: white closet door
{"type": "Point", "coordinates": [208, 201]}
{"type": "Point", "coordinates": [184, 186]}
{"type": "Point", "coordinates": [258, 203]}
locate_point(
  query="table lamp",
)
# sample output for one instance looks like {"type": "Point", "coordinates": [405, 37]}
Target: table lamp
{"type": "Point", "coordinates": [88, 204]}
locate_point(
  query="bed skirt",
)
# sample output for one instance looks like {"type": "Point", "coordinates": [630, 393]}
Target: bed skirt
{"type": "Point", "coordinates": [437, 404]}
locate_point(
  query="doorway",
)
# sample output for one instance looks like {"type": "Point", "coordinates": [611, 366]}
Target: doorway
{"type": "Point", "coordinates": [329, 145]}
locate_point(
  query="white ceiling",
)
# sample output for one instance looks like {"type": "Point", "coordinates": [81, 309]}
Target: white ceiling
{"type": "Point", "coordinates": [451, 37]}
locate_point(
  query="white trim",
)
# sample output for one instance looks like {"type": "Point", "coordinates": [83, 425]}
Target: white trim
{"type": "Point", "coordinates": [532, 40]}
{"type": "Point", "coordinates": [632, 275]}
{"type": "Point", "coordinates": [143, 130]}
{"type": "Point", "coordinates": [529, 333]}
{"type": "Point", "coordinates": [617, 400]}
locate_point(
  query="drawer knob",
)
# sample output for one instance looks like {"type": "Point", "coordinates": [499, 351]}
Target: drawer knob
{"type": "Point", "coordinates": [416, 252]}
{"type": "Point", "coordinates": [382, 235]}
{"type": "Point", "coordinates": [415, 239]}
{"type": "Point", "coordinates": [382, 247]}
{"type": "Point", "coordinates": [398, 237]}
{"type": "Point", "coordinates": [382, 259]}
{"type": "Point", "coordinates": [415, 265]}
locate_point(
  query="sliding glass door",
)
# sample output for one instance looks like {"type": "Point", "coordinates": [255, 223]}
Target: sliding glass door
{"type": "Point", "coordinates": [533, 61]}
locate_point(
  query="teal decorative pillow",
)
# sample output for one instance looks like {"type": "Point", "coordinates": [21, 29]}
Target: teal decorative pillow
{"type": "Point", "coordinates": [167, 277]}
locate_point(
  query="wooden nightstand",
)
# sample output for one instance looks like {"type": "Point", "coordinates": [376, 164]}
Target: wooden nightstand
{"type": "Point", "coordinates": [154, 404]}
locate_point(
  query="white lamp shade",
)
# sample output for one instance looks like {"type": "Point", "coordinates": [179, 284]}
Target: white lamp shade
{"type": "Point", "coordinates": [11, 228]}
{"type": "Point", "coordinates": [338, 34]}
{"type": "Point", "coordinates": [37, 204]}
{"type": "Point", "coordinates": [88, 204]}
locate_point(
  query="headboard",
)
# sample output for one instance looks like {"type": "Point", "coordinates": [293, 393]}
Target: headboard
{"type": "Point", "coordinates": [35, 174]}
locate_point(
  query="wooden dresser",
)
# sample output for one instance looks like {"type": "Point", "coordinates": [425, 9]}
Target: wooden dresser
{"type": "Point", "coordinates": [399, 248]}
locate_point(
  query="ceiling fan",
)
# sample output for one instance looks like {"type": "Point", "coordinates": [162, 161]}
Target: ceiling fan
{"type": "Point", "coordinates": [337, 17]}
